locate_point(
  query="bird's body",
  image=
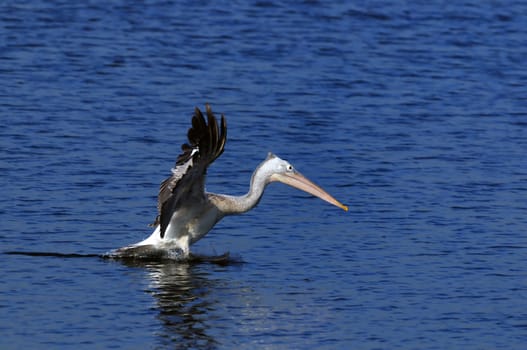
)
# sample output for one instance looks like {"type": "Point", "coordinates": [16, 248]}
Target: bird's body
{"type": "Point", "coordinates": [186, 212]}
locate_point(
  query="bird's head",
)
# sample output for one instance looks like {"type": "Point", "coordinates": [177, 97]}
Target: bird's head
{"type": "Point", "coordinates": [279, 170]}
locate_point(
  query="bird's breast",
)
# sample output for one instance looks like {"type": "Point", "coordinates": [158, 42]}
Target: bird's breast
{"type": "Point", "coordinates": [192, 223]}
{"type": "Point", "coordinates": [201, 224]}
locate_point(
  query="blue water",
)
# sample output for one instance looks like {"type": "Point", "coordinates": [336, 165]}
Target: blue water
{"type": "Point", "coordinates": [412, 113]}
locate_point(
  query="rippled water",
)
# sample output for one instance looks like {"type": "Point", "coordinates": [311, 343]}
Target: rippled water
{"type": "Point", "coordinates": [414, 114]}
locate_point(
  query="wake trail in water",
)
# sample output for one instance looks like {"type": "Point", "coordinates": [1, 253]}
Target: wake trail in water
{"type": "Point", "coordinates": [224, 259]}
{"type": "Point", "coordinates": [56, 255]}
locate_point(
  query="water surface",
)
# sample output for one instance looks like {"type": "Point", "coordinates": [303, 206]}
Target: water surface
{"type": "Point", "coordinates": [413, 114]}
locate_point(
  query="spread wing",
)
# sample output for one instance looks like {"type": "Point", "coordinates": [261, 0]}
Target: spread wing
{"type": "Point", "coordinates": [206, 141]}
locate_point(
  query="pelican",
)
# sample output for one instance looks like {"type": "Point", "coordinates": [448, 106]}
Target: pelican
{"type": "Point", "coordinates": [186, 212]}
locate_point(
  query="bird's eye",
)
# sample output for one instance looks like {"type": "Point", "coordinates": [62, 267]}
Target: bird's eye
{"type": "Point", "coordinates": [289, 167]}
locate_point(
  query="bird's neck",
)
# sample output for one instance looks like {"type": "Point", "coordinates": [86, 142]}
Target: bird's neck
{"type": "Point", "coordinates": [232, 205]}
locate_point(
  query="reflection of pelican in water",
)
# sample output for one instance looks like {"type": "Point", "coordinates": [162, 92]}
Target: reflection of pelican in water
{"type": "Point", "coordinates": [183, 302]}
{"type": "Point", "coordinates": [187, 212]}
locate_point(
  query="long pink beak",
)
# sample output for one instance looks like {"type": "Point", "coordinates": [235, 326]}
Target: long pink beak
{"type": "Point", "coordinates": [301, 182]}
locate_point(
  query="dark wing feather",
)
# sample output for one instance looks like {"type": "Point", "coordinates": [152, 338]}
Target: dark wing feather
{"type": "Point", "coordinates": [206, 142]}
